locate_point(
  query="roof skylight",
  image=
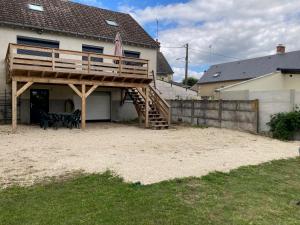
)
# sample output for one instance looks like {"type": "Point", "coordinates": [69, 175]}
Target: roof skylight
{"type": "Point", "coordinates": [112, 23]}
{"type": "Point", "coordinates": [217, 74]}
{"type": "Point", "coordinates": [36, 7]}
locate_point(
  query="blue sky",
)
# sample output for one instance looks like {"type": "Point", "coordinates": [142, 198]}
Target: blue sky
{"type": "Point", "coordinates": [120, 5]}
{"type": "Point", "coordinates": [217, 31]}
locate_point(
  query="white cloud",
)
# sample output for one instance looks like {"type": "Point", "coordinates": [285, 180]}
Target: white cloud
{"type": "Point", "coordinates": [179, 74]}
{"type": "Point", "coordinates": [241, 29]}
{"type": "Point", "coordinates": [97, 3]}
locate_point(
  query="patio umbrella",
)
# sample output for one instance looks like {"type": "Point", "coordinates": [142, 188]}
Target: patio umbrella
{"type": "Point", "coordinates": [118, 45]}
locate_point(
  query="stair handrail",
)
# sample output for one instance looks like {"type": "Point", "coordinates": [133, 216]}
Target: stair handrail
{"type": "Point", "coordinates": [162, 105]}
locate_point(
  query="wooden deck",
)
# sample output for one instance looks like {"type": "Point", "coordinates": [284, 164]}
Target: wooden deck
{"type": "Point", "coordinates": [83, 72]}
{"type": "Point", "coordinates": [64, 67]}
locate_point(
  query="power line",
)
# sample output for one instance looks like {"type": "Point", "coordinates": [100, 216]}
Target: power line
{"type": "Point", "coordinates": [212, 53]}
{"type": "Point", "coordinates": [172, 46]}
{"type": "Point", "coordinates": [204, 51]}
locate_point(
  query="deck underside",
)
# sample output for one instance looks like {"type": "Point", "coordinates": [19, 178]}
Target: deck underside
{"type": "Point", "coordinates": [37, 76]}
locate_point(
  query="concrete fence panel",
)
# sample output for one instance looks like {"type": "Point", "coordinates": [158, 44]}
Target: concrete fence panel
{"type": "Point", "coordinates": [232, 114]}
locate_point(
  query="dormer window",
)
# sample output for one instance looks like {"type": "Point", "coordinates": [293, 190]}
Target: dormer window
{"type": "Point", "coordinates": [217, 74]}
{"type": "Point", "coordinates": [112, 23]}
{"type": "Point", "coordinates": [36, 7]}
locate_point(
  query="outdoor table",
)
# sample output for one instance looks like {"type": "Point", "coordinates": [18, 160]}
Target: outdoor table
{"type": "Point", "coordinates": [62, 117]}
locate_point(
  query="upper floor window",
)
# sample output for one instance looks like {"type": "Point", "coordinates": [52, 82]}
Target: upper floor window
{"type": "Point", "coordinates": [93, 49]}
{"type": "Point", "coordinates": [36, 7]}
{"type": "Point", "coordinates": [132, 54]}
{"type": "Point", "coordinates": [36, 42]}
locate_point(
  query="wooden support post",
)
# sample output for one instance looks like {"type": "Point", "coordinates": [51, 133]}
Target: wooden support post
{"type": "Point", "coordinates": [83, 107]}
{"type": "Point", "coordinates": [147, 108]}
{"type": "Point", "coordinates": [14, 106]}
{"type": "Point", "coordinates": [53, 60]}
{"type": "Point", "coordinates": [120, 66]}
{"type": "Point", "coordinates": [140, 118]}
{"type": "Point", "coordinates": [89, 63]}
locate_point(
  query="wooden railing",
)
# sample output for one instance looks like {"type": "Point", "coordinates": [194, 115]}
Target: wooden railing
{"type": "Point", "coordinates": [29, 58]}
{"type": "Point", "coordinates": [161, 105]}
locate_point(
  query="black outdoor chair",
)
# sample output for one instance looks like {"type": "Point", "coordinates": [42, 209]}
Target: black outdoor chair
{"type": "Point", "coordinates": [44, 120]}
{"type": "Point", "coordinates": [55, 120]}
{"type": "Point", "coordinates": [74, 119]}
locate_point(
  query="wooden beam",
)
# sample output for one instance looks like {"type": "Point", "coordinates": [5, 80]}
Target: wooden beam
{"type": "Point", "coordinates": [76, 90]}
{"type": "Point", "coordinates": [93, 88]}
{"type": "Point", "coordinates": [147, 108]}
{"type": "Point", "coordinates": [83, 107]}
{"type": "Point", "coordinates": [49, 80]}
{"type": "Point", "coordinates": [14, 106]}
{"type": "Point", "coordinates": [24, 88]}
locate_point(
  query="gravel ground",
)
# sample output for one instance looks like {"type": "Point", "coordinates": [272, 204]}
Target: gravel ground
{"type": "Point", "coordinates": [134, 153]}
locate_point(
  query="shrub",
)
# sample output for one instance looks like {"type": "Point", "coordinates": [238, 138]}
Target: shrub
{"type": "Point", "coordinates": [284, 125]}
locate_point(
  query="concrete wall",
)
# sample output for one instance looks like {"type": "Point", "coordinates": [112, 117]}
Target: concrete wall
{"type": "Point", "coordinates": [273, 81]}
{"type": "Point", "coordinates": [9, 35]}
{"type": "Point", "coordinates": [238, 115]}
{"type": "Point", "coordinates": [270, 103]}
{"type": "Point", "coordinates": [276, 93]}
{"type": "Point", "coordinates": [269, 82]}
{"type": "Point", "coordinates": [174, 92]}
{"type": "Point", "coordinates": [58, 94]}
{"type": "Point", "coordinates": [209, 89]}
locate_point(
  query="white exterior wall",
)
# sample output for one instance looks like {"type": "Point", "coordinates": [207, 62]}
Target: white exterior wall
{"type": "Point", "coordinates": [276, 93]}
{"type": "Point", "coordinates": [59, 93]}
{"type": "Point", "coordinates": [273, 81]}
{"type": "Point", "coordinates": [9, 35]}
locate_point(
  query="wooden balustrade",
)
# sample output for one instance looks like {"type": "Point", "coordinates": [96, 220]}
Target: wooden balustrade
{"type": "Point", "coordinates": [74, 64]}
{"type": "Point", "coordinates": [154, 97]}
{"type": "Point", "coordinates": [160, 103]}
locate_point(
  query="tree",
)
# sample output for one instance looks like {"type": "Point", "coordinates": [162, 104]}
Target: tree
{"type": "Point", "coordinates": [191, 81]}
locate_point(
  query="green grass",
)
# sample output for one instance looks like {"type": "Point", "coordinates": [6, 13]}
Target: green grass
{"type": "Point", "coordinates": [264, 194]}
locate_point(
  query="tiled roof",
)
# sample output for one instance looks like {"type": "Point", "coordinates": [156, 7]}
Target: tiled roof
{"type": "Point", "coordinates": [163, 67]}
{"type": "Point", "coordinates": [74, 19]}
{"type": "Point", "coordinates": [250, 68]}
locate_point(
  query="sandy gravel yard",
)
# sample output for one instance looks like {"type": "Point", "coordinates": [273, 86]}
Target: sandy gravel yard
{"type": "Point", "coordinates": [134, 153]}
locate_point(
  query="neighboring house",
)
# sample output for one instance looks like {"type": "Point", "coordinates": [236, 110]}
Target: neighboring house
{"type": "Point", "coordinates": [226, 74]}
{"type": "Point", "coordinates": [164, 71]}
{"type": "Point", "coordinates": [59, 43]}
{"type": "Point", "coordinates": [195, 87]}
{"type": "Point", "coordinates": [277, 92]}
{"type": "Point", "coordinates": [172, 91]}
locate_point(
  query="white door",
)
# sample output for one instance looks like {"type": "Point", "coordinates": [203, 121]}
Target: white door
{"type": "Point", "coordinates": [97, 105]}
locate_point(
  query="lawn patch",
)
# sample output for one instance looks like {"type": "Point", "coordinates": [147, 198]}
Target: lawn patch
{"type": "Point", "coordinates": [264, 194]}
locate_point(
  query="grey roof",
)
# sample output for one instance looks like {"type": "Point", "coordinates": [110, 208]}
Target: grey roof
{"type": "Point", "coordinates": [74, 19]}
{"type": "Point", "coordinates": [163, 67]}
{"type": "Point", "coordinates": [250, 68]}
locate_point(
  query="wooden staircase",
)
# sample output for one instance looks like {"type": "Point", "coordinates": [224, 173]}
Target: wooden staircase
{"type": "Point", "coordinates": [158, 109]}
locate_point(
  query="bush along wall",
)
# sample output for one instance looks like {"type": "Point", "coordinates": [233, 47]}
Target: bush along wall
{"type": "Point", "coordinates": [283, 126]}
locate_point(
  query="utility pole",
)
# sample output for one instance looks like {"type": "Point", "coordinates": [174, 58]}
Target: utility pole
{"type": "Point", "coordinates": [157, 29]}
{"type": "Point", "coordinates": [186, 63]}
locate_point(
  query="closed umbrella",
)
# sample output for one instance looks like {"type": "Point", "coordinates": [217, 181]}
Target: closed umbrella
{"type": "Point", "coordinates": [118, 45]}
